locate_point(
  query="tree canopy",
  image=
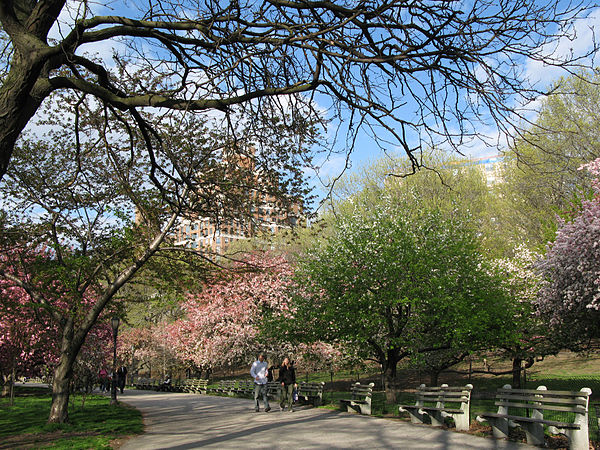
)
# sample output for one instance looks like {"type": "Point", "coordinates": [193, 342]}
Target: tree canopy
{"type": "Point", "coordinates": [541, 177]}
{"type": "Point", "coordinates": [570, 295]}
{"type": "Point", "coordinates": [397, 70]}
{"type": "Point", "coordinates": [392, 284]}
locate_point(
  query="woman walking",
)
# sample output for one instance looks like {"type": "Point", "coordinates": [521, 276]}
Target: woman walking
{"type": "Point", "coordinates": [287, 378]}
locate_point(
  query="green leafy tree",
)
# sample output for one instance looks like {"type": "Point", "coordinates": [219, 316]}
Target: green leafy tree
{"type": "Point", "coordinates": [541, 176]}
{"type": "Point", "coordinates": [449, 184]}
{"type": "Point", "coordinates": [393, 285]}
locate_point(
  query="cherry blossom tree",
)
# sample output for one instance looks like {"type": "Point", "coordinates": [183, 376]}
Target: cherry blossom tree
{"type": "Point", "coordinates": [29, 332]}
{"type": "Point", "coordinates": [221, 327]}
{"type": "Point", "coordinates": [27, 336]}
{"type": "Point", "coordinates": [224, 324]}
{"type": "Point", "coordinates": [570, 295]}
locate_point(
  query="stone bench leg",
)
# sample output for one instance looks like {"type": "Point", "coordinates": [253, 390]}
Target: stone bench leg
{"type": "Point", "coordinates": [461, 421]}
{"type": "Point", "coordinates": [578, 439]}
{"type": "Point", "coordinates": [499, 427]}
{"type": "Point", "coordinates": [437, 418]}
{"type": "Point", "coordinates": [365, 409]}
{"type": "Point", "coordinates": [415, 414]}
{"type": "Point", "coordinates": [534, 433]}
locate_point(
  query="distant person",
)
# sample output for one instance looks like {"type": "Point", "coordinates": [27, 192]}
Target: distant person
{"type": "Point", "coordinates": [121, 378]}
{"type": "Point", "coordinates": [271, 372]}
{"type": "Point", "coordinates": [103, 378]}
{"type": "Point", "coordinates": [287, 378]}
{"type": "Point", "coordinates": [165, 385]}
{"type": "Point", "coordinates": [259, 372]}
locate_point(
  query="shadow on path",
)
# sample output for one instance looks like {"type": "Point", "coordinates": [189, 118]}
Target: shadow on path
{"type": "Point", "coordinates": [187, 421]}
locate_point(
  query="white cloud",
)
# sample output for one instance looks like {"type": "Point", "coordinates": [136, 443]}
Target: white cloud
{"type": "Point", "coordinates": [578, 42]}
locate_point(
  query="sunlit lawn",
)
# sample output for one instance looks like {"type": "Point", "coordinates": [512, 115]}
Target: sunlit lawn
{"type": "Point", "coordinates": [93, 426]}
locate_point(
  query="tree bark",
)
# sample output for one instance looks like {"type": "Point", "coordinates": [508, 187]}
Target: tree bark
{"type": "Point", "coordinates": [516, 374]}
{"type": "Point", "coordinates": [17, 107]}
{"type": "Point", "coordinates": [390, 373]}
{"type": "Point", "coordinates": [59, 411]}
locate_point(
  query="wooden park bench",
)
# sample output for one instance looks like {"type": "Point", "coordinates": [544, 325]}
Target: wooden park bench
{"type": "Point", "coordinates": [146, 384]}
{"type": "Point", "coordinates": [224, 387]}
{"type": "Point", "coordinates": [274, 389]}
{"type": "Point", "coordinates": [244, 387]}
{"type": "Point", "coordinates": [563, 412]}
{"type": "Point", "coordinates": [311, 393]}
{"type": "Point", "coordinates": [192, 386]}
{"type": "Point", "coordinates": [441, 402]}
{"type": "Point", "coordinates": [361, 398]}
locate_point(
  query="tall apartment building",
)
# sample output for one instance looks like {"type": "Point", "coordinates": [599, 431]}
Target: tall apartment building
{"type": "Point", "coordinates": [266, 217]}
{"type": "Point", "coordinates": [491, 166]}
{"type": "Point", "coordinates": [258, 213]}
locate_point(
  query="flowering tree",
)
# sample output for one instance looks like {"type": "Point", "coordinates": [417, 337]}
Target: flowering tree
{"type": "Point", "coordinates": [221, 324]}
{"type": "Point", "coordinates": [522, 282]}
{"type": "Point", "coordinates": [392, 285]}
{"type": "Point", "coordinates": [570, 293]}
{"type": "Point", "coordinates": [222, 327]}
{"type": "Point", "coordinates": [29, 334]}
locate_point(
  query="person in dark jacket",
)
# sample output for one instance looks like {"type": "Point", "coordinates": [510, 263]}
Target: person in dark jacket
{"type": "Point", "coordinates": [287, 378]}
{"type": "Point", "coordinates": [121, 377]}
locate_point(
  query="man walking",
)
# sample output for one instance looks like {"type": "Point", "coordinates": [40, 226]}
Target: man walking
{"type": "Point", "coordinates": [259, 372]}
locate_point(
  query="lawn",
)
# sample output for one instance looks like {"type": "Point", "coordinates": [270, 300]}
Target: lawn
{"type": "Point", "coordinates": [96, 425]}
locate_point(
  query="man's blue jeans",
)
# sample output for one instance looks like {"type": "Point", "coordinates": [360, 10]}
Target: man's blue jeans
{"type": "Point", "coordinates": [260, 390]}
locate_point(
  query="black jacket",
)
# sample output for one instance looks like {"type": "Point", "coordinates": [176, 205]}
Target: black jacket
{"type": "Point", "coordinates": [287, 375]}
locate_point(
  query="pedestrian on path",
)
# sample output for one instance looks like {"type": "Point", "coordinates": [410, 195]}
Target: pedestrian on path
{"type": "Point", "coordinates": [259, 372]}
{"type": "Point", "coordinates": [287, 378]}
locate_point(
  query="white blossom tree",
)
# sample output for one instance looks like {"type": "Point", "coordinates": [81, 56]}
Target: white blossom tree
{"type": "Point", "coordinates": [570, 293]}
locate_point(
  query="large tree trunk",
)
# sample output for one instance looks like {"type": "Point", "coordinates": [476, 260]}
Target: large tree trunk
{"type": "Point", "coordinates": [516, 373]}
{"type": "Point", "coordinates": [59, 411]}
{"type": "Point", "coordinates": [390, 374]}
{"type": "Point", "coordinates": [18, 104]}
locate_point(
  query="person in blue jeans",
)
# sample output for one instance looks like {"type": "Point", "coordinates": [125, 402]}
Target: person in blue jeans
{"type": "Point", "coordinates": [259, 372]}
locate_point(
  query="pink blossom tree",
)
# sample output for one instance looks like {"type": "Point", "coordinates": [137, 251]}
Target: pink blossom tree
{"type": "Point", "coordinates": [222, 327]}
{"type": "Point", "coordinates": [570, 293]}
{"type": "Point", "coordinates": [221, 324]}
{"type": "Point", "coordinates": [29, 334]}
{"type": "Point", "coordinates": [27, 337]}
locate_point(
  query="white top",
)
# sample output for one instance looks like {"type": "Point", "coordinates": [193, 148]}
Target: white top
{"type": "Point", "coordinates": [259, 372]}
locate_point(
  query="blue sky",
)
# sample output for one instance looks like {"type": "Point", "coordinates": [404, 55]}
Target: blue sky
{"type": "Point", "coordinates": [366, 148]}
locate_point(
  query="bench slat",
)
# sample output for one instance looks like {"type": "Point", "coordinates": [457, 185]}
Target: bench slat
{"type": "Point", "coordinates": [545, 393]}
{"type": "Point", "coordinates": [544, 407]}
{"type": "Point", "coordinates": [554, 423]}
{"type": "Point", "coordinates": [544, 399]}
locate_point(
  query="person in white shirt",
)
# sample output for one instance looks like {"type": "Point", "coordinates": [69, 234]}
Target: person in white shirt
{"type": "Point", "coordinates": [259, 372]}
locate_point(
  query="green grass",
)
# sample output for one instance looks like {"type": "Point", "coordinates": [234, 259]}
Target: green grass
{"type": "Point", "coordinates": [94, 426]}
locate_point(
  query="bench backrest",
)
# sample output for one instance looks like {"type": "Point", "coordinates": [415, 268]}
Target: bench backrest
{"type": "Point", "coordinates": [444, 395]}
{"type": "Point", "coordinates": [362, 391]}
{"type": "Point", "coordinates": [311, 389]}
{"type": "Point", "coordinates": [541, 399]}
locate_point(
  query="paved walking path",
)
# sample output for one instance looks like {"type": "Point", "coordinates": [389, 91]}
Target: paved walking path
{"type": "Point", "coordinates": [186, 421]}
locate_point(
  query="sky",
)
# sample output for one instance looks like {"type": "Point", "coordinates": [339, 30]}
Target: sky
{"type": "Point", "coordinates": [366, 149]}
